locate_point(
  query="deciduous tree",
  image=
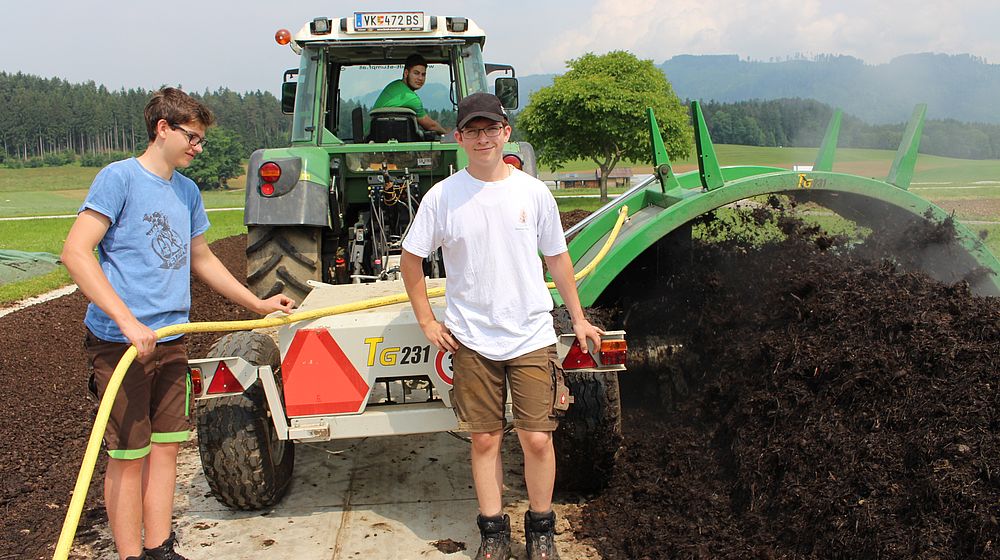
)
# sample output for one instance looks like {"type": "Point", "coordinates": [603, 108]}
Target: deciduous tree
{"type": "Point", "coordinates": [597, 111]}
{"type": "Point", "coordinates": [220, 161]}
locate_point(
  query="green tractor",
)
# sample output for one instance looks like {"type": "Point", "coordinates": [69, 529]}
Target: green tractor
{"type": "Point", "coordinates": [333, 207]}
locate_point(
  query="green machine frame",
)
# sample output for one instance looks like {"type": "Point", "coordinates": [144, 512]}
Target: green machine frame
{"type": "Point", "coordinates": [667, 202]}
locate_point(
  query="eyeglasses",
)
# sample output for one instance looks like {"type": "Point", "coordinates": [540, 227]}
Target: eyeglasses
{"type": "Point", "coordinates": [473, 133]}
{"type": "Point", "coordinates": [193, 138]}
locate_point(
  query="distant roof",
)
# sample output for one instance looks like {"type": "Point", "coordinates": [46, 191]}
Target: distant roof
{"type": "Point", "coordinates": [616, 173]}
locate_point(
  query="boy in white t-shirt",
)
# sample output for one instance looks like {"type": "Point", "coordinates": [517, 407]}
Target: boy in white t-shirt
{"type": "Point", "coordinates": [491, 221]}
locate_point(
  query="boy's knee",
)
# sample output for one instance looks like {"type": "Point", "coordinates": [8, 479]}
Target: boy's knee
{"type": "Point", "coordinates": [536, 443]}
{"type": "Point", "coordinates": [486, 442]}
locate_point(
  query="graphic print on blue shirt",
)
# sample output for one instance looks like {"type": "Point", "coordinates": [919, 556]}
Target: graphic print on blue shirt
{"type": "Point", "coordinates": [166, 243]}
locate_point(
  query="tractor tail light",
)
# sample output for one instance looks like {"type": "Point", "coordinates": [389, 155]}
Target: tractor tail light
{"type": "Point", "coordinates": [511, 159]}
{"type": "Point", "coordinates": [613, 352]}
{"type": "Point", "coordinates": [577, 358]}
{"type": "Point", "coordinates": [267, 189]}
{"type": "Point", "coordinates": [270, 172]}
{"type": "Point", "coordinates": [224, 381]}
{"type": "Point", "coordinates": [196, 381]}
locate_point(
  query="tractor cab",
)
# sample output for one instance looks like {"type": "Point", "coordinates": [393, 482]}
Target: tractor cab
{"type": "Point", "coordinates": [346, 63]}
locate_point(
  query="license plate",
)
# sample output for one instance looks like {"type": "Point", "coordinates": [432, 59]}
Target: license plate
{"type": "Point", "coordinates": [388, 21]}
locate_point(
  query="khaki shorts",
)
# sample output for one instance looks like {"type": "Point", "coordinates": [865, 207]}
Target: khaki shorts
{"type": "Point", "coordinates": [153, 402]}
{"type": "Point", "coordinates": [480, 390]}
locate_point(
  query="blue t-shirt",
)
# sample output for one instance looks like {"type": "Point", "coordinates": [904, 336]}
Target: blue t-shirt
{"type": "Point", "coordinates": [146, 252]}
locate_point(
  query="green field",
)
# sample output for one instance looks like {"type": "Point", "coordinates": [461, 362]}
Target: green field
{"type": "Point", "coordinates": [969, 188]}
{"type": "Point", "coordinates": [56, 191]}
{"type": "Point", "coordinates": [48, 236]}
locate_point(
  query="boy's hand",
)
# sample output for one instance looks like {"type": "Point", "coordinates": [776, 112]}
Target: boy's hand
{"type": "Point", "coordinates": [141, 336]}
{"type": "Point", "coordinates": [278, 302]}
{"type": "Point", "coordinates": [585, 330]}
{"type": "Point", "coordinates": [440, 336]}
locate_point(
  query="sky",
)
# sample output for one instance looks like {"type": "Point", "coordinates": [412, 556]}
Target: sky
{"type": "Point", "coordinates": [208, 44]}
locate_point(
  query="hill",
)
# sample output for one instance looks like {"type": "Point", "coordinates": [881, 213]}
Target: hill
{"type": "Point", "coordinates": [961, 87]}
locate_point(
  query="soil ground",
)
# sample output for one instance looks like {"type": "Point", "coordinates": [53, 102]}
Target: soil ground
{"type": "Point", "coordinates": [821, 407]}
{"type": "Point", "coordinates": [47, 415]}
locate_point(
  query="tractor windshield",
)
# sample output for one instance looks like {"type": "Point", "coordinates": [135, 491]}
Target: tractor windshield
{"type": "Point", "coordinates": [360, 86]}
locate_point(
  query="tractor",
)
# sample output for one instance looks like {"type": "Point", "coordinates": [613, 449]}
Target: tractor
{"type": "Point", "coordinates": [333, 206]}
{"type": "Point", "coordinates": [321, 225]}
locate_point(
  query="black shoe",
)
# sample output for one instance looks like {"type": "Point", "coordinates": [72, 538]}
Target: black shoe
{"type": "Point", "coordinates": [92, 389]}
{"type": "Point", "coordinates": [540, 535]}
{"type": "Point", "coordinates": [165, 551]}
{"type": "Point", "coordinates": [139, 557]}
{"type": "Point", "coordinates": [495, 532]}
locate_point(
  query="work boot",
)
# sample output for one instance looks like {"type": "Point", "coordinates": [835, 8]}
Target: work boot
{"type": "Point", "coordinates": [540, 536]}
{"type": "Point", "coordinates": [165, 551]}
{"type": "Point", "coordinates": [495, 532]}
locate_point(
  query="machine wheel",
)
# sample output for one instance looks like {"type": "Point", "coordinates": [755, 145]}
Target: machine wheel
{"type": "Point", "coordinates": [280, 259]}
{"type": "Point", "coordinates": [247, 466]}
{"type": "Point", "coordinates": [590, 435]}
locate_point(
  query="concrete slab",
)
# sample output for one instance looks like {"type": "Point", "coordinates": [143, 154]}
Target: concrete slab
{"type": "Point", "coordinates": [376, 498]}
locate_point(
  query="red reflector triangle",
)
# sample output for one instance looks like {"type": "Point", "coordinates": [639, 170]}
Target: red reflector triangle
{"type": "Point", "coordinates": [224, 381]}
{"type": "Point", "coordinates": [576, 358]}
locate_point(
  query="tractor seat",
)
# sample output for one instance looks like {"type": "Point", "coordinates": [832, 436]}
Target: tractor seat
{"type": "Point", "coordinates": [394, 123]}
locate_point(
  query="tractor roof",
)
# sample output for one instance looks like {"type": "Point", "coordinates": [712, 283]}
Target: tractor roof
{"type": "Point", "coordinates": [390, 26]}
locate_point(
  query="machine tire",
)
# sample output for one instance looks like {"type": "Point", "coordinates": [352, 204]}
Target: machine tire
{"type": "Point", "coordinates": [589, 436]}
{"type": "Point", "coordinates": [247, 466]}
{"type": "Point", "coordinates": [280, 259]}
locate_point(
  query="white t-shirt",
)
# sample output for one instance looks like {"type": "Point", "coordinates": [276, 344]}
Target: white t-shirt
{"type": "Point", "coordinates": [490, 235]}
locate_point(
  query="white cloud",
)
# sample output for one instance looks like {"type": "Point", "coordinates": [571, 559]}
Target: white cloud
{"type": "Point", "coordinates": [761, 29]}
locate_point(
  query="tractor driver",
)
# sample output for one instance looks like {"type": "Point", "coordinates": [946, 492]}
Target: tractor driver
{"type": "Point", "coordinates": [403, 93]}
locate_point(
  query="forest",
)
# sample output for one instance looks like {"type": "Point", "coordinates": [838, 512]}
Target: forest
{"type": "Point", "coordinates": [49, 121]}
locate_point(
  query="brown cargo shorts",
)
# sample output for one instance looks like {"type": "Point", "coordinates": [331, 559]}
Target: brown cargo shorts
{"type": "Point", "coordinates": [479, 394]}
{"type": "Point", "coordinates": [153, 404]}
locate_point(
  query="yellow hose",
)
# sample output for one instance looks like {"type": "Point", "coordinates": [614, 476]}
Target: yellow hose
{"type": "Point", "coordinates": [68, 532]}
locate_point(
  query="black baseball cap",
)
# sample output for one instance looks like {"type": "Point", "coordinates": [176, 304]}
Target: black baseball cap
{"type": "Point", "coordinates": [485, 105]}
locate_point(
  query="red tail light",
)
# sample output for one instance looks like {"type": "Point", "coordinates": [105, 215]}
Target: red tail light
{"type": "Point", "coordinates": [267, 189]}
{"type": "Point", "coordinates": [270, 172]}
{"type": "Point", "coordinates": [224, 381]}
{"type": "Point", "coordinates": [613, 352]}
{"type": "Point", "coordinates": [577, 358]}
{"type": "Point", "coordinates": [511, 159]}
{"type": "Point", "coordinates": [196, 383]}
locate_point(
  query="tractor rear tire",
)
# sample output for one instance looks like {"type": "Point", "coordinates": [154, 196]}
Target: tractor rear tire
{"type": "Point", "coordinates": [280, 259]}
{"type": "Point", "coordinates": [589, 437]}
{"type": "Point", "coordinates": [247, 466]}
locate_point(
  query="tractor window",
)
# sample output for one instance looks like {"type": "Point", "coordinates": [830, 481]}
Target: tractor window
{"type": "Point", "coordinates": [360, 86]}
{"type": "Point", "coordinates": [303, 124]}
{"type": "Point", "coordinates": [475, 70]}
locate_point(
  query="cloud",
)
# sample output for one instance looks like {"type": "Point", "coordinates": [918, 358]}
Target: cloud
{"type": "Point", "coordinates": [762, 29]}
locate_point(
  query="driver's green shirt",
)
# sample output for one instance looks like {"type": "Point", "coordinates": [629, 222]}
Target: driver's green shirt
{"type": "Point", "coordinates": [398, 94]}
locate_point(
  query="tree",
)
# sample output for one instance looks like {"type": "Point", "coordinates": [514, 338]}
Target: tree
{"type": "Point", "coordinates": [597, 111]}
{"type": "Point", "coordinates": [221, 160]}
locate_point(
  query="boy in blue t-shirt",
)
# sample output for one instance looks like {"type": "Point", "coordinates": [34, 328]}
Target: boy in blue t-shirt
{"type": "Point", "coordinates": [147, 222]}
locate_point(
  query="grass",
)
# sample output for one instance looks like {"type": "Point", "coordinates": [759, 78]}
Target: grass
{"type": "Point", "coordinates": [55, 191]}
{"type": "Point", "coordinates": [49, 235]}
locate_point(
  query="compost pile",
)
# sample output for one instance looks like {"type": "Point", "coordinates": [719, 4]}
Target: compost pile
{"type": "Point", "coordinates": [46, 414]}
{"type": "Point", "coordinates": [824, 405]}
